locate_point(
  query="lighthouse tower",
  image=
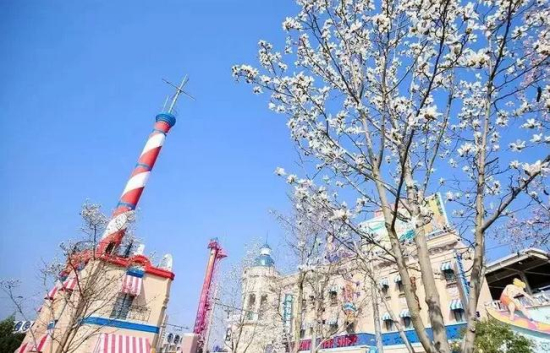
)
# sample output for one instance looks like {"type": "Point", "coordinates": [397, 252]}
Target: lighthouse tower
{"type": "Point", "coordinates": [131, 194]}
{"type": "Point", "coordinates": [259, 276]}
{"type": "Point", "coordinates": [104, 302]}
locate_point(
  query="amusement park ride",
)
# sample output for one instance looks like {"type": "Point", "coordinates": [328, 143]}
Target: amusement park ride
{"type": "Point", "coordinates": [205, 300]}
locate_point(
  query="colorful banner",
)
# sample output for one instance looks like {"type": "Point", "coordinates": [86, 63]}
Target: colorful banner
{"type": "Point", "coordinates": [439, 222]}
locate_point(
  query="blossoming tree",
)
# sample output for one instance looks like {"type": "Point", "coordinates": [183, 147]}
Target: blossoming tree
{"type": "Point", "coordinates": [397, 100]}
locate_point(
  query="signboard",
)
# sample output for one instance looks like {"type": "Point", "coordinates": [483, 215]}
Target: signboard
{"type": "Point", "coordinates": [405, 231]}
{"type": "Point", "coordinates": [360, 339]}
{"type": "Point", "coordinates": [287, 312]}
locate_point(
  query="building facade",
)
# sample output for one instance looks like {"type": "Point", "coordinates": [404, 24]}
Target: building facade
{"type": "Point", "coordinates": [335, 310]}
{"type": "Point", "coordinates": [105, 304]}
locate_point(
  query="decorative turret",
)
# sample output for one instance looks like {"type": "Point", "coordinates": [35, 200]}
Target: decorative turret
{"type": "Point", "coordinates": [264, 259]}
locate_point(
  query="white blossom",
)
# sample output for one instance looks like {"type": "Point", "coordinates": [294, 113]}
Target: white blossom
{"type": "Point", "coordinates": [280, 171]}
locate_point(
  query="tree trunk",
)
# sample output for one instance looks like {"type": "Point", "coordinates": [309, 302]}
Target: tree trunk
{"type": "Point", "coordinates": [399, 327]}
{"type": "Point", "coordinates": [299, 317]}
{"type": "Point", "coordinates": [479, 248]}
{"type": "Point", "coordinates": [375, 311]}
{"type": "Point", "coordinates": [402, 267]}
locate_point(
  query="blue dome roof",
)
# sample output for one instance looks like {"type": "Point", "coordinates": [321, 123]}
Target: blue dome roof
{"type": "Point", "coordinates": [264, 259]}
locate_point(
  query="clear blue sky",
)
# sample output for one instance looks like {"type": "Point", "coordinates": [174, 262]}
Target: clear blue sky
{"type": "Point", "coordinates": [80, 84]}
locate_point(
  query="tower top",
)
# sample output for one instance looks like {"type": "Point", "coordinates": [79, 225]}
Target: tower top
{"type": "Point", "coordinates": [264, 259]}
{"type": "Point", "coordinates": [179, 91]}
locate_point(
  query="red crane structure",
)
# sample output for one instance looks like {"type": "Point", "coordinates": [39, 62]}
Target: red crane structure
{"type": "Point", "coordinates": [205, 300]}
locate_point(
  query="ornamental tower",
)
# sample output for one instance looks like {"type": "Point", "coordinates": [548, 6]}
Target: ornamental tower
{"type": "Point", "coordinates": [116, 228]}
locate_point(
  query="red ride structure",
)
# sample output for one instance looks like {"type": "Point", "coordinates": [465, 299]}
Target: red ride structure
{"type": "Point", "coordinates": [205, 300]}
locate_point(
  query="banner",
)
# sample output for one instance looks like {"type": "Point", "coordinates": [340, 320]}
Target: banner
{"type": "Point", "coordinates": [405, 231]}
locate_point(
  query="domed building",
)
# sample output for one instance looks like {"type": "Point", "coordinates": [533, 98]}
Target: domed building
{"type": "Point", "coordinates": [257, 283]}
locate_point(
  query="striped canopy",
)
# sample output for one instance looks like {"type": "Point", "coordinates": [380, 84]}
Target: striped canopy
{"type": "Point", "coordinates": [386, 317]}
{"type": "Point", "coordinates": [333, 322]}
{"type": "Point", "coordinates": [446, 266]}
{"type": "Point", "coordinates": [51, 294]}
{"type": "Point", "coordinates": [40, 345]}
{"type": "Point", "coordinates": [397, 279]}
{"type": "Point", "coordinates": [111, 343]}
{"type": "Point", "coordinates": [70, 283]}
{"type": "Point", "coordinates": [456, 304]}
{"type": "Point", "coordinates": [405, 313]}
{"type": "Point", "coordinates": [132, 284]}
{"type": "Point", "coordinates": [383, 282]}
{"type": "Point", "coordinates": [23, 348]}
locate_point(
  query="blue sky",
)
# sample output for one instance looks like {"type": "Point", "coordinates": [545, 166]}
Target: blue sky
{"type": "Point", "coordinates": [80, 86]}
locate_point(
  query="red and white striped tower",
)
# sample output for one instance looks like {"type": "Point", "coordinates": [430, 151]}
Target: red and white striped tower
{"type": "Point", "coordinates": [116, 227]}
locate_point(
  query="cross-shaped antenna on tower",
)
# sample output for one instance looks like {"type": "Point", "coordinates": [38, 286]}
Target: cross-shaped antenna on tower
{"type": "Point", "coordinates": [179, 90]}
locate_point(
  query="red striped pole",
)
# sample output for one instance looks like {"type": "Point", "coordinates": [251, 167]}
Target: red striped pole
{"type": "Point", "coordinates": [116, 227]}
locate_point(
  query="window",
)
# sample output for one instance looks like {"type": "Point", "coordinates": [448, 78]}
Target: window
{"type": "Point", "coordinates": [122, 306]}
{"type": "Point", "coordinates": [302, 333]}
{"type": "Point", "coordinates": [388, 324]}
{"type": "Point", "coordinates": [459, 315]}
{"type": "Point", "coordinates": [251, 307]}
{"type": "Point", "coordinates": [333, 327]}
{"type": "Point", "coordinates": [110, 247]}
{"type": "Point", "coordinates": [263, 306]}
{"type": "Point", "coordinates": [407, 323]}
{"type": "Point", "coordinates": [333, 298]}
{"type": "Point", "coordinates": [400, 286]}
{"type": "Point", "coordinates": [251, 301]}
{"type": "Point", "coordinates": [385, 290]}
{"type": "Point", "coordinates": [450, 276]}
{"type": "Point", "coordinates": [311, 331]}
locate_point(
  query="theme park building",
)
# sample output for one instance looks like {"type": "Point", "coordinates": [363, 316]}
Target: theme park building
{"type": "Point", "coordinates": [109, 298]}
{"type": "Point", "coordinates": [266, 291]}
{"type": "Point", "coordinates": [270, 302]}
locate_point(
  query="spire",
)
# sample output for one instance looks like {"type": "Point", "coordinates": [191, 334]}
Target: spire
{"type": "Point", "coordinates": [179, 91]}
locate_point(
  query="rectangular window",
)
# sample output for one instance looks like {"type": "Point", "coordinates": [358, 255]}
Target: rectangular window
{"type": "Point", "coordinates": [302, 333]}
{"type": "Point", "coordinates": [407, 323]}
{"type": "Point", "coordinates": [333, 298]}
{"type": "Point", "coordinates": [122, 306]}
{"type": "Point", "coordinates": [263, 306]}
{"type": "Point", "coordinates": [385, 291]}
{"type": "Point", "coordinates": [333, 328]}
{"type": "Point", "coordinates": [400, 287]}
{"type": "Point", "coordinates": [459, 315]}
{"type": "Point", "coordinates": [449, 276]}
{"type": "Point", "coordinates": [388, 325]}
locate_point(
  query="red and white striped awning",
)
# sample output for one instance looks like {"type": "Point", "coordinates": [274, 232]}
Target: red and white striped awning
{"type": "Point", "coordinates": [24, 348]}
{"type": "Point", "coordinates": [111, 343]}
{"type": "Point", "coordinates": [51, 294]}
{"type": "Point", "coordinates": [70, 283]}
{"type": "Point", "coordinates": [132, 285]}
{"type": "Point", "coordinates": [40, 345]}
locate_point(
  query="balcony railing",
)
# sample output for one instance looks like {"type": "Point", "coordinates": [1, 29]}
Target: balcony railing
{"type": "Point", "coordinates": [133, 313]}
{"type": "Point", "coordinates": [139, 313]}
